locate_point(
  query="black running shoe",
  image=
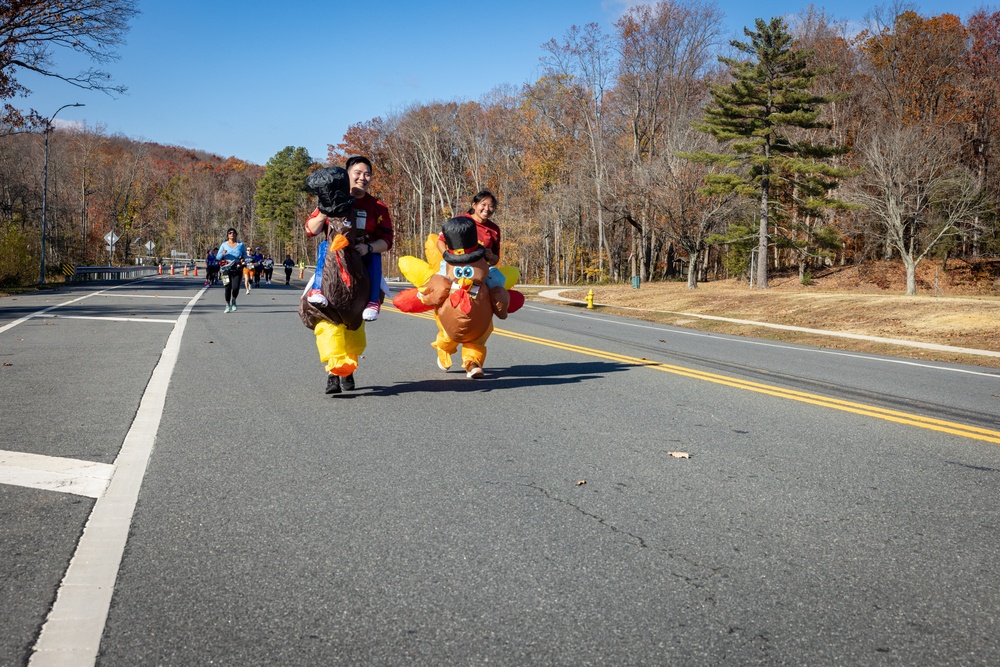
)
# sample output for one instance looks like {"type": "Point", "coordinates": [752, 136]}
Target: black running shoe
{"type": "Point", "coordinates": [332, 384]}
{"type": "Point", "coordinates": [348, 382]}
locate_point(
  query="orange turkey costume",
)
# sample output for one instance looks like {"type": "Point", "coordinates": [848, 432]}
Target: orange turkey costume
{"type": "Point", "coordinates": [463, 303]}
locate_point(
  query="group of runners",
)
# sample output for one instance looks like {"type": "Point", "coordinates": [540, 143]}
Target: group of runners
{"type": "Point", "coordinates": [255, 267]}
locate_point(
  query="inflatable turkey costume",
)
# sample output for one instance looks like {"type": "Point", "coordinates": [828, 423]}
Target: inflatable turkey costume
{"type": "Point", "coordinates": [463, 292]}
{"type": "Point", "coordinates": [338, 325]}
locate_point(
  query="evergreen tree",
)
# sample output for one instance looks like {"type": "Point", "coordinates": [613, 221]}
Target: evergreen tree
{"type": "Point", "coordinates": [759, 118]}
{"type": "Point", "coordinates": [281, 191]}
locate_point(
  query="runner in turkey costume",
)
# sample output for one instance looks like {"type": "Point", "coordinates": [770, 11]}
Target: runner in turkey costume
{"type": "Point", "coordinates": [460, 292]}
{"type": "Point", "coordinates": [338, 325]}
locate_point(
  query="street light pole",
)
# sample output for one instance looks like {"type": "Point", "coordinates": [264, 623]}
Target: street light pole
{"type": "Point", "coordinates": [45, 186]}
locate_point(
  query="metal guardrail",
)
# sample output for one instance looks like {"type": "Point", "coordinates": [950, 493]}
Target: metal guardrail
{"type": "Point", "coordinates": [85, 273]}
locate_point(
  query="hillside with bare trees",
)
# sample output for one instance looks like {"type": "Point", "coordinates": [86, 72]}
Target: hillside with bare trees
{"type": "Point", "coordinates": [877, 147]}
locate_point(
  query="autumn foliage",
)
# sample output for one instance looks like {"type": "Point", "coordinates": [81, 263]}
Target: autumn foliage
{"type": "Point", "coordinates": [588, 160]}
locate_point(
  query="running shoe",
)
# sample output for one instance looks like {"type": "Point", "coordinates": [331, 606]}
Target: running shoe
{"type": "Point", "coordinates": [370, 313]}
{"type": "Point", "coordinates": [475, 371]}
{"type": "Point", "coordinates": [316, 296]}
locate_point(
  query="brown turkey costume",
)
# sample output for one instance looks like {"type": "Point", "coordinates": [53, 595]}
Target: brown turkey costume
{"type": "Point", "coordinates": [338, 326]}
{"type": "Point", "coordinates": [463, 305]}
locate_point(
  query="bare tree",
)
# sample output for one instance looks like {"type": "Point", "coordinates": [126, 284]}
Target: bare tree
{"type": "Point", "coordinates": [31, 29]}
{"type": "Point", "coordinates": [584, 61]}
{"type": "Point", "coordinates": [915, 190]}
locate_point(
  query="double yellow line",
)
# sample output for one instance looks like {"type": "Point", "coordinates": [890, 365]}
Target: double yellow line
{"type": "Point", "coordinates": [952, 428]}
{"type": "Point", "coordinates": [909, 419]}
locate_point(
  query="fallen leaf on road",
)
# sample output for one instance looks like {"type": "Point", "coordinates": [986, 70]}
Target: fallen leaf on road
{"type": "Point", "coordinates": [581, 482]}
{"type": "Point", "coordinates": [680, 455]}
{"type": "Point", "coordinates": [7, 363]}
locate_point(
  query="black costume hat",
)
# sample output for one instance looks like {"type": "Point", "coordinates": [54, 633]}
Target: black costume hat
{"type": "Point", "coordinates": [462, 240]}
{"type": "Point", "coordinates": [333, 188]}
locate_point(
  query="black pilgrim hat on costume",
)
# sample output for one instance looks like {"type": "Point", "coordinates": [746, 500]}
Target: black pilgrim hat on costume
{"type": "Point", "coordinates": [333, 188]}
{"type": "Point", "coordinates": [462, 241]}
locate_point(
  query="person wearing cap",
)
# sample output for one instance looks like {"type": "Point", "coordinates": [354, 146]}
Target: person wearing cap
{"type": "Point", "coordinates": [258, 263]}
{"type": "Point", "coordinates": [232, 255]}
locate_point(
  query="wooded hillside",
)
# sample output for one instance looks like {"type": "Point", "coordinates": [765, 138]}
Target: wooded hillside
{"type": "Point", "coordinates": [650, 148]}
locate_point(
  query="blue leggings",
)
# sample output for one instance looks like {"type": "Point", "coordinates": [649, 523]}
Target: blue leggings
{"type": "Point", "coordinates": [372, 264]}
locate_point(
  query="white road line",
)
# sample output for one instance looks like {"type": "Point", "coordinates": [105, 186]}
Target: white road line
{"type": "Point", "coordinates": [554, 295]}
{"type": "Point", "coordinates": [110, 319]}
{"type": "Point", "coordinates": [143, 296]}
{"type": "Point", "coordinates": [50, 473]}
{"type": "Point", "coordinates": [663, 328]}
{"type": "Point", "coordinates": [71, 636]}
{"type": "Point", "coordinates": [42, 312]}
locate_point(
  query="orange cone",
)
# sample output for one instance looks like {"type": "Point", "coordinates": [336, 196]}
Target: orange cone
{"type": "Point", "coordinates": [171, 269]}
{"type": "Point", "coordinates": [302, 272]}
{"type": "Point", "coordinates": [195, 269]}
{"type": "Point", "coordinates": [185, 269]}
{"type": "Point", "coordinates": [159, 269]}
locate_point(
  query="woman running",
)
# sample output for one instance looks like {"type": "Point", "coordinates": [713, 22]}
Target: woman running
{"type": "Point", "coordinates": [232, 256]}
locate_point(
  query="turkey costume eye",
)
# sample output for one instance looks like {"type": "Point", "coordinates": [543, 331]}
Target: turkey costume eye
{"type": "Point", "coordinates": [462, 272]}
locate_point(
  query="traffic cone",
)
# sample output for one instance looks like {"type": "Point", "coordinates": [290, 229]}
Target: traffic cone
{"type": "Point", "coordinates": [171, 269]}
{"type": "Point", "coordinates": [159, 269]}
{"type": "Point", "coordinates": [195, 269]}
{"type": "Point", "coordinates": [185, 269]}
{"type": "Point", "coordinates": [302, 272]}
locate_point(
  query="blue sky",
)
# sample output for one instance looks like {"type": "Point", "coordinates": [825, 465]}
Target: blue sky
{"type": "Point", "coordinates": [248, 78]}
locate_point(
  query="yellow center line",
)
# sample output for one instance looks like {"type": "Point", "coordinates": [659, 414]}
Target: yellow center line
{"type": "Point", "coordinates": [895, 416]}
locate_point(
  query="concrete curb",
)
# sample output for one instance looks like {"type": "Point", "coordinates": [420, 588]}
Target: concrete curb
{"type": "Point", "coordinates": [555, 295]}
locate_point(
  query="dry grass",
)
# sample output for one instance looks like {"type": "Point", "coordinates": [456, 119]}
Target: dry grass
{"type": "Point", "coordinates": [960, 308]}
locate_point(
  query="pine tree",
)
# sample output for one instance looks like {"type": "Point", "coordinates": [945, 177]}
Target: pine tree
{"type": "Point", "coordinates": [758, 118]}
{"type": "Point", "coordinates": [281, 191]}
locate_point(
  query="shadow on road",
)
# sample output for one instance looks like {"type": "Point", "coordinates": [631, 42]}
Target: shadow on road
{"type": "Point", "coordinates": [528, 375]}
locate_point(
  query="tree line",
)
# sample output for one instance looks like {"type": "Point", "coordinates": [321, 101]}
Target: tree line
{"type": "Point", "coordinates": [658, 149]}
{"type": "Point", "coordinates": [655, 149]}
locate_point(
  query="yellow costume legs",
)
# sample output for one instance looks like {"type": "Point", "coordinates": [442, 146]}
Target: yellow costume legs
{"type": "Point", "coordinates": [339, 348]}
{"type": "Point", "coordinates": [445, 347]}
{"type": "Point", "coordinates": [474, 352]}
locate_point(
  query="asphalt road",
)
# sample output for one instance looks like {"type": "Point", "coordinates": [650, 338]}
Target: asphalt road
{"type": "Point", "coordinates": [834, 509]}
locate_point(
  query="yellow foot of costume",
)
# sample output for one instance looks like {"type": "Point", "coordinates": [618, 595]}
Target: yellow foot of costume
{"type": "Point", "coordinates": [474, 371]}
{"type": "Point", "coordinates": [444, 360]}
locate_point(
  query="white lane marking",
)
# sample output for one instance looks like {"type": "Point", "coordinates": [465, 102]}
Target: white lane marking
{"type": "Point", "coordinates": [750, 341]}
{"type": "Point", "coordinates": [142, 296]}
{"type": "Point", "coordinates": [71, 636]}
{"type": "Point", "coordinates": [110, 319]}
{"type": "Point", "coordinates": [554, 295]}
{"type": "Point", "coordinates": [39, 313]}
{"type": "Point", "coordinates": [42, 312]}
{"type": "Point", "coordinates": [51, 473]}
